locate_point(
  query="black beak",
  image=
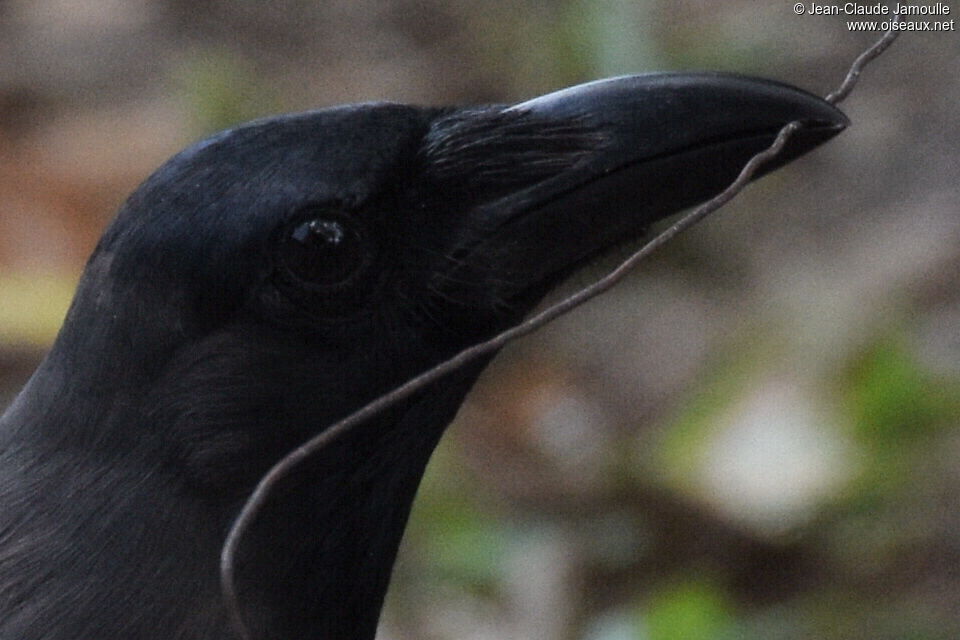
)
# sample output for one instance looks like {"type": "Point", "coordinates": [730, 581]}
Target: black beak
{"type": "Point", "coordinates": [664, 142]}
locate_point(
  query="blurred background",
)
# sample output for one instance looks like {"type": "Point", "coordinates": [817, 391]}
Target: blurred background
{"type": "Point", "coordinates": [756, 436]}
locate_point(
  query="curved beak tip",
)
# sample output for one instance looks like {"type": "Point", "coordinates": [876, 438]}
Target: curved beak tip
{"type": "Point", "coordinates": [663, 111]}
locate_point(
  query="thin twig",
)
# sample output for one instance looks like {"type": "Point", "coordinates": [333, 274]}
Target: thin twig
{"type": "Point", "coordinates": [862, 60]}
{"type": "Point", "coordinates": [282, 468]}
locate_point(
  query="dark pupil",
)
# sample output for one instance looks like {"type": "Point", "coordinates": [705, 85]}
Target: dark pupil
{"type": "Point", "coordinates": [323, 251]}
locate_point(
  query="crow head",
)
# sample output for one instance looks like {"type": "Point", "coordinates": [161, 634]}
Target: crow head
{"type": "Point", "coordinates": [276, 277]}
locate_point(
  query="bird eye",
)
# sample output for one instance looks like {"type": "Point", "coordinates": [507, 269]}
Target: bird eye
{"type": "Point", "coordinates": [326, 251]}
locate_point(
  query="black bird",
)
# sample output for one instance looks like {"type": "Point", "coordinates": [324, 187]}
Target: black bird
{"type": "Point", "coordinates": [276, 277]}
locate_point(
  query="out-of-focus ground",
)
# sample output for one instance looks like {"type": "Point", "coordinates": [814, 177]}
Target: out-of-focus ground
{"type": "Point", "coordinates": [756, 436]}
